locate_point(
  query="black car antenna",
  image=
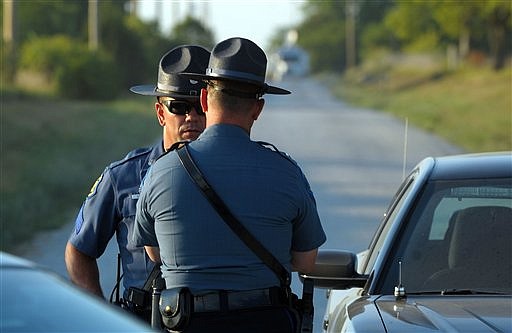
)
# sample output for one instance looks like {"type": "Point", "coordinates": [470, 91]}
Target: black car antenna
{"type": "Point", "coordinates": [399, 290]}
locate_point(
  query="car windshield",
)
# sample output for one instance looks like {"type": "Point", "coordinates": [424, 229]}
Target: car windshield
{"type": "Point", "coordinates": [458, 240]}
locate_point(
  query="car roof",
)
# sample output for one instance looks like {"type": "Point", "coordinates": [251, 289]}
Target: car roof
{"type": "Point", "coordinates": [37, 285]}
{"type": "Point", "coordinates": [9, 260]}
{"type": "Point", "coordinates": [472, 166]}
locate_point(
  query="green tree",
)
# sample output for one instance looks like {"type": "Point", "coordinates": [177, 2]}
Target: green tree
{"type": "Point", "coordinates": [457, 20]}
{"type": "Point", "coordinates": [192, 31]}
{"type": "Point", "coordinates": [412, 23]}
{"type": "Point", "coordinates": [42, 18]}
{"type": "Point", "coordinates": [68, 68]}
{"type": "Point", "coordinates": [133, 46]}
{"type": "Point", "coordinates": [323, 30]}
{"type": "Point", "coordinates": [425, 25]}
{"type": "Point", "coordinates": [120, 38]}
{"type": "Point", "coordinates": [497, 15]}
{"type": "Point", "coordinates": [152, 46]}
{"type": "Point", "coordinates": [322, 35]}
{"type": "Point", "coordinates": [372, 34]}
{"type": "Point", "coordinates": [46, 18]}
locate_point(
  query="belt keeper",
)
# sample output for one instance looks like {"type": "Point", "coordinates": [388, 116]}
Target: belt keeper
{"type": "Point", "coordinates": [223, 300]}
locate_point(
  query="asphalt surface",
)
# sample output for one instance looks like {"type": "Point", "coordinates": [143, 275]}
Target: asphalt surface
{"type": "Point", "coordinates": [352, 157]}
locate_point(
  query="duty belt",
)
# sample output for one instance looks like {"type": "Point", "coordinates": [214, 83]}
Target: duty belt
{"type": "Point", "coordinates": [236, 300]}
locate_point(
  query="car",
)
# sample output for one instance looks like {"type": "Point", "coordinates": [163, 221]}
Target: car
{"type": "Point", "coordinates": [35, 299]}
{"type": "Point", "coordinates": [440, 260]}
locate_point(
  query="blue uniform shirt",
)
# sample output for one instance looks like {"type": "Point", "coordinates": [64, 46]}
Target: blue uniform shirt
{"type": "Point", "coordinates": [110, 208]}
{"type": "Point", "coordinates": [265, 189]}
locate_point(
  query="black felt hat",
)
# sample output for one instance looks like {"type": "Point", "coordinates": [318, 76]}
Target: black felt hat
{"type": "Point", "coordinates": [187, 58]}
{"type": "Point", "coordinates": [241, 60]}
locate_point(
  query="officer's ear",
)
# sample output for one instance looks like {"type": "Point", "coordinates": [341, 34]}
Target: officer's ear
{"type": "Point", "coordinates": [160, 113]}
{"type": "Point", "coordinates": [258, 107]}
{"type": "Point", "coordinates": [204, 99]}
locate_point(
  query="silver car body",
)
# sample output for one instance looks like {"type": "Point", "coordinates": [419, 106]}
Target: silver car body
{"type": "Point", "coordinates": [35, 299]}
{"type": "Point", "coordinates": [423, 271]}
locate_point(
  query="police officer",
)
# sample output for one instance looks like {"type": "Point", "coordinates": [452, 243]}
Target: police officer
{"type": "Point", "coordinates": [264, 188]}
{"type": "Point", "coordinates": [109, 208]}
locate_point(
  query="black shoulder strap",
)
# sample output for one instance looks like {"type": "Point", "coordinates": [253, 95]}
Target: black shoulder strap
{"type": "Point", "coordinates": [221, 208]}
{"type": "Point", "coordinates": [155, 273]}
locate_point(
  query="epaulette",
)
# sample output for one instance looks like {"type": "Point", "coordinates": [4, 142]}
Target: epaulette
{"type": "Point", "coordinates": [179, 144]}
{"type": "Point", "coordinates": [136, 153]}
{"type": "Point", "coordinates": [274, 149]}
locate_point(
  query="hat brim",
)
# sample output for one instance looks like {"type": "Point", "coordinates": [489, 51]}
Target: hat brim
{"type": "Point", "coordinates": [268, 89]}
{"type": "Point", "coordinates": [151, 90]}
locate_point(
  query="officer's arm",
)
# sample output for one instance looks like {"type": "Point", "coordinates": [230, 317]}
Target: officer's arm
{"type": "Point", "coordinates": [153, 253]}
{"type": "Point", "coordinates": [304, 262]}
{"type": "Point", "coordinates": [83, 270]}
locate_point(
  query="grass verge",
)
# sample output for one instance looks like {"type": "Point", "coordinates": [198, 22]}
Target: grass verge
{"type": "Point", "coordinates": [471, 108]}
{"type": "Point", "coordinates": [53, 150]}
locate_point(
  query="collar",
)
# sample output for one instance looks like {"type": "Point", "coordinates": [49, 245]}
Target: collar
{"type": "Point", "coordinates": [156, 151]}
{"type": "Point", "coordinates": [225, 130]}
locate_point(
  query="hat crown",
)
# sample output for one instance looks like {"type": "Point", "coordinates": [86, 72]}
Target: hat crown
{"type": "Point", "coordinates": [240, 58]}
{"type": "Point", "coordinates": [187, 58]}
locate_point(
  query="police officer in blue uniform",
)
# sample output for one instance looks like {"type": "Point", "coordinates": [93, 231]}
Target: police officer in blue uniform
{"type": "Point", "coordinates": [232, 289]}
{"type": "Point", "coordinates": [110, 206]}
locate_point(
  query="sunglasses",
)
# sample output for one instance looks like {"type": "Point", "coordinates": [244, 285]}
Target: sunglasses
{"type": "Point", "coordinates": [183, 108]}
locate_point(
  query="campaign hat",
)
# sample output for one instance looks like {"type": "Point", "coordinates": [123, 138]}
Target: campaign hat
{"type": "Point", "coordinates": [240, 60]}
{"type": "Point", "coordinates": [185, 58]}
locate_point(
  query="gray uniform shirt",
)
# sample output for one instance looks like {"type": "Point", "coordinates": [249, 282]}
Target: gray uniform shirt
{"type": "Point", "coordinates": [264, 189]}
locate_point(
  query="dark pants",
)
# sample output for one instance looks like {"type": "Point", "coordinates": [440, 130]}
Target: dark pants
{"type": "Point", "coordinates": [274, 319]}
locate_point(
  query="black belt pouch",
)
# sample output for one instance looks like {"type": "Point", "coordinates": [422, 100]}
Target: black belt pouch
{"type": "Point", "coordinates": [176, 307]}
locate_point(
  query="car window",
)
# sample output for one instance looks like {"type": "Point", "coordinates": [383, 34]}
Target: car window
{"type": "Point", "coordinates": [455, 201]}
{"type": "Point", "coordinates": [458, 238]}
{"type": "Point", "coordinates": [392, 211]}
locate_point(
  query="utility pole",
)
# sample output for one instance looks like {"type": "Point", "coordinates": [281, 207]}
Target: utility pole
{"type": "Point", "coordinates": [10, 40]}
{"type": "Point", "coordinates": [133, 7]}
{"type": "Point", "coordinates": [160, 15]}
{"type": "Point", "coordinates": [351, 10]}
{"type": "Point", "coordinates": [205, 15]}
{"type": "Point", "coordinates": [93, 25]}
{"type": "Point", "coordinates": [9, 21]}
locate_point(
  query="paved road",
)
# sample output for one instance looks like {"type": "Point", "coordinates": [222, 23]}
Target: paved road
{"type": "Point", "coordinates": [352, 157]}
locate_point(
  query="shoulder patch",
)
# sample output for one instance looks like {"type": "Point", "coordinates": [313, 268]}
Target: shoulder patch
{"type": "Point", "coordinates": [94, 187]}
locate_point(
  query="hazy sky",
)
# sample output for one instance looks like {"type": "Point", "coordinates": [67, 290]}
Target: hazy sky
{"type": "Point", "coordinates": [256, 20]}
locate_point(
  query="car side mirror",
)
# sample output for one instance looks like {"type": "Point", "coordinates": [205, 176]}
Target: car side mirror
{"type": "Point", "coordinates": [335, 269]}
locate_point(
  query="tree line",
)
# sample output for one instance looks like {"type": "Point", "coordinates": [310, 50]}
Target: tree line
{"type": "Point", "coordinates": [48, 44]}
{"type": "Point", "coordinates": [341, 34]}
